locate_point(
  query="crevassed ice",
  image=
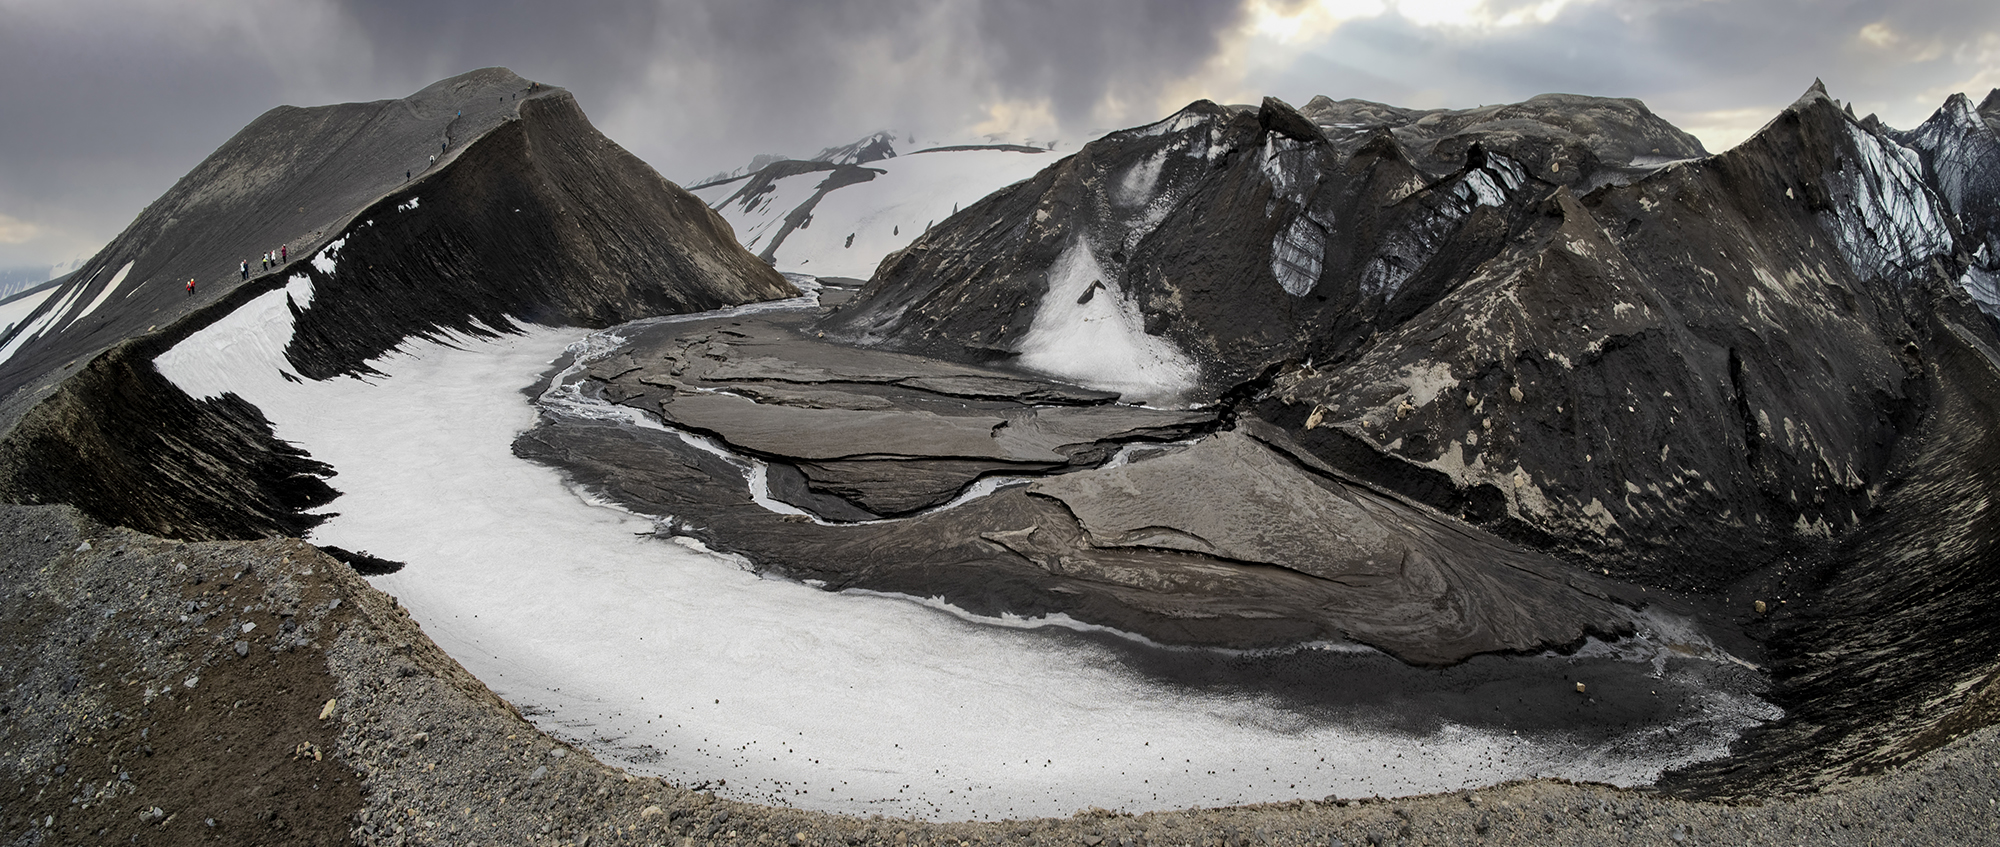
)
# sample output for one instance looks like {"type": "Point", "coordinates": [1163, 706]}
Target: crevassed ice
{"type": "Point", "coordinates": [1984, 288]}
{"type": "Point", "coordinates": [1287, 164]}
{"type": "Point", "coordinates": [1887, 219]}
{"type": "Point", "coordinates": [1480, 186]}
{"type": "Point", "coordinates": [1296, 255]}
{"type": "Point", "coordinates": [1101, 342]}
{"type": "Point", "coordinates": [1402, 253]}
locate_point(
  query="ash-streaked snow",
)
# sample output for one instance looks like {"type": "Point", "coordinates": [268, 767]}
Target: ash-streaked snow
{"type": "Point", "coordinates": [663, 657]}
{"type": "Point", "coordinates": [883, 215]}
{"type": "Point", "coordinates": [13, 312]}
{"type": "Point", "coordinates": [47, 321]}
{"type": "Point", "coordinates": [104, 293]}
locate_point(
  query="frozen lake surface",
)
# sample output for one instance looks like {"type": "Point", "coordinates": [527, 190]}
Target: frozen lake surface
{"type": "Point", "coordinates": [667, 659]}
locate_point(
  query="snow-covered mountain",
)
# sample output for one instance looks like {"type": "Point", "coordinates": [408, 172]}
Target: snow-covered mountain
{"type": "Point", "coordinates": [839, 213]}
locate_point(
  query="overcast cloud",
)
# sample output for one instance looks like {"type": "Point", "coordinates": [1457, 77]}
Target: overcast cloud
{"type": "Point", "coordinates": [105, 104]}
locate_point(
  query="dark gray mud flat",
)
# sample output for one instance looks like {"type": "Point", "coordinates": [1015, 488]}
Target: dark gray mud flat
{"type": "Point", "coordinates": [1185, 527]}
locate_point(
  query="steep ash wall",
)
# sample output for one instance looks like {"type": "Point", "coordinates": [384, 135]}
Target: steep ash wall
{"type": "Point", "coordinates": [530, 216]}
{"type": "Point", "coordinates": [1212, 245]}
{"type": "Point", "coordinates": [542, 221]}
{"type": "Point", "coordinates": [1750, 376]}
{"type": "Point", "coordinates": [1581, 335]}
{"type": "Point", "coordinates": [1717, 361]}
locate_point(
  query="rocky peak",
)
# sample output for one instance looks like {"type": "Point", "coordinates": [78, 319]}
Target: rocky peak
{"type": "Point", "coordinates": [1277, 116]}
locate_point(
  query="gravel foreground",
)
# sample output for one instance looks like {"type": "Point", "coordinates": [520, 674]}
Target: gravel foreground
{"type": "Point", "coordinates": [154, 691]}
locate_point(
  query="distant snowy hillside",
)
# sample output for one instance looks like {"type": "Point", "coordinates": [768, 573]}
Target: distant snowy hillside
{"type": "Point", "coordinates": [840, 213]}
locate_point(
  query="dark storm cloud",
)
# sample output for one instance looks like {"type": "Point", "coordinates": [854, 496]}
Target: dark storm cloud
{"type": "Point", "coordinates": [787, 77]}
{"type": "Point", "coordinates": [1691, 60]}
{"type": "Point", "coordinates": [108, 103]}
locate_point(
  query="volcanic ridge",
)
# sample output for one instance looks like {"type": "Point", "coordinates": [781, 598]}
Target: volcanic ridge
{"type": "Point", "coordinates": [1538, 382]}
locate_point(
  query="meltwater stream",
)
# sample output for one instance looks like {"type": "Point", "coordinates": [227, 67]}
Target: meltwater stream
{"type": "Point", "coordinates": [664, 658]}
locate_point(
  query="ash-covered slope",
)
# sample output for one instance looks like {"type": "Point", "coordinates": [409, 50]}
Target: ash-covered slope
{"type": "Point", "coordinates": [1226, 241]}
{"type": "Point", "coordinates": [1488, 340]}
{"type": "Point", "coordinates": [529, 214]}
{"type": "Point", "coordinates": [1564, 139]}
{"type": "Point", "coordinates": [1716, 375]}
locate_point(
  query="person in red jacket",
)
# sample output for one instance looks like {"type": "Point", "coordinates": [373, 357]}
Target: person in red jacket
{"type": "Point", "coordinates": [190, 288]}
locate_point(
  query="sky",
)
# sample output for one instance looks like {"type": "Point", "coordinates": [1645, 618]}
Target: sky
{"type": "Point", "coordinates": [105, 103]}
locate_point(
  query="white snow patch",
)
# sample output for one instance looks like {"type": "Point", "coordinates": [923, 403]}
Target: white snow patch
{"type": "Point", "coordinates": [328, 255]}
{"type": "Point", "coordinates": [1136, 187]}
{"type": "Point", "coordinates": [406, 205]}
{"type": "Point", "coordinates": [1101, 343]}
{"type": "Point", "coordinates": [1179, 122]}
{"type": "Point", "coordinates": [13, 312]}
{"type": "Point", "coordinates": [244, 352]}
{"type": "Point", "coordinates": [1297, 253]}
{"type": "Point", "coordinates": [104, 294]}
{"type": "Point", "coordinates": [884, 214]}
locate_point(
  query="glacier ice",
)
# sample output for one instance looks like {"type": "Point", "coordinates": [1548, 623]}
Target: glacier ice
{"type": "Point", "coordinates": [1088, 332]}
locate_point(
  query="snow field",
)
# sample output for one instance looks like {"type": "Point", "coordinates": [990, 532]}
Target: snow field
{"type": "Point", "coordinates": [883, 214]}
{"type": "Point", "coordinates": [759, 220]}
{"type": "Point", "coordinates": [668, 659]}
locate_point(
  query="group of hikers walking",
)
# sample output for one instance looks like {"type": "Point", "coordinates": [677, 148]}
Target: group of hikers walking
{"type": "Point", "coordinates": [271, 260]}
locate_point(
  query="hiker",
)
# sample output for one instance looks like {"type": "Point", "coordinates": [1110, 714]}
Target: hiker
{"type": "Point", "coordinates": [285, 252]}
{"type": "Point", "coordinates": [267, 261]}
{"type": "Point", "coordinates": [246, 268]}
{"type": "Point", "coordinates": [190, 288]}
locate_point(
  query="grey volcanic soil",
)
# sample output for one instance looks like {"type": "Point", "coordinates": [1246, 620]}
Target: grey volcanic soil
{"type": "Point", "coordinates": [104, 627]}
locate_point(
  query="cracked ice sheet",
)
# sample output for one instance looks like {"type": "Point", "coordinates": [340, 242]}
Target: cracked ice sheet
{"type": "Point", "coordinates": [670, 660]}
